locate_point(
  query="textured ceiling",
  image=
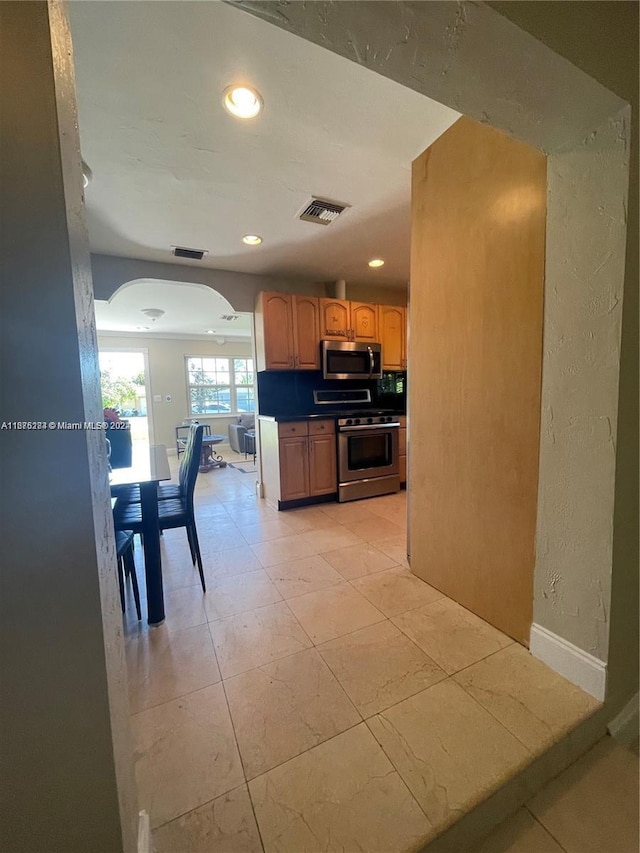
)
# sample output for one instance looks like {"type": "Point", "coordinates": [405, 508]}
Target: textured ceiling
{"type": "Point", "coordinates": [172, 167]}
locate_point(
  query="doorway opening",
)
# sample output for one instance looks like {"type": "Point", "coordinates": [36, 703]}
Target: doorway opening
{"type": "Point", "coordinates": [124, 383]}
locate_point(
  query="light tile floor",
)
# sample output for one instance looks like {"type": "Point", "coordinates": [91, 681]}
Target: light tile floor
{"type": "Point", "coordinates": [319, 696]}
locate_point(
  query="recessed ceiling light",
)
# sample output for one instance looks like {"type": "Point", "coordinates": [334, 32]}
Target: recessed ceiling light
{"type": "Point", "coordinates": [87, 174]}
{"type": "Point", "coordinates": [252, 239]}
{"type": "Point", "coordinates": [242, 102]}
{"type": "Point", "coordinates": [209, 331]}
{"type": "Point", "coordinates": [376, 262]}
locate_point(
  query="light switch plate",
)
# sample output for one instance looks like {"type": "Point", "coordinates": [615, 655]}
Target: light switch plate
{"type": "Point", "coordinates": [157, 398]}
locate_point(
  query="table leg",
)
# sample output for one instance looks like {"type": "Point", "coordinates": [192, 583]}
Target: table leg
{"type": "Point", "coordinates": [151, 546]}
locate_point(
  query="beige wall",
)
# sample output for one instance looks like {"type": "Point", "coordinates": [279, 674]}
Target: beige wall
{"type": "Point", "coordinates": [580, 31]}
{"type": "Point", "coordinates": [167, 376]}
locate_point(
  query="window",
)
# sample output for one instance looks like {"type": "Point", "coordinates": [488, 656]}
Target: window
{"type": "Point", "coordinates": [220, 386]}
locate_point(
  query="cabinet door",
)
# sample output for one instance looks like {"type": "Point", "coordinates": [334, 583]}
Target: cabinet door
{"type": "Point", "coordinates": [364, 322]}
{"type": "Point", "coordinates": [306, 332]}
{"type": "Point", "coordinates": [393, 337]}
{"type": "Point", "coordinates": [323, 478]}
{"type": "Point", "coordinates": [335, 320]}
{"type": "Point", "coordinates": [278, 331]}
{"type": "Point", "coordinates": [294, 468]}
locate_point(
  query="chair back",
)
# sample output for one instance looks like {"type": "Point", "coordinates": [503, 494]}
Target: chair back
{"type": "Point", "coordinates": [190, 464]}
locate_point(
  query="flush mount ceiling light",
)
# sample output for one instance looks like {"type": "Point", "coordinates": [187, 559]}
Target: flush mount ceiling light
{"type": "Point", "coordinates": [210, 331]}
{"type": "Point", "coordinates": [242, 101]}
{"type": "Point", "coordinates": [374, 263]}
{"type": "Point", "coordinates": [87, 175]}
{"type": "Point", "coordinates": [152, 313]}
{"type": "Point", "coordinates": [252, 239]}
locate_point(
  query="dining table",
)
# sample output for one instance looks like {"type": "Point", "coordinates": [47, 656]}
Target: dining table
{"type": "Point", "coordinates": [148, 469]}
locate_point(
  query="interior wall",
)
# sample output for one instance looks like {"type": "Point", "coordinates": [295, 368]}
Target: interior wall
{"type": "Point", "coordinates": [602, 40]}
{"type": "Point", "coordinates": [168, 377]}
{"type": "Point", "coordinates": [241, 289]}
{"type": "Point", "coordinates": [470, 58]}
{"type": "Point", "coordinates": [477, 284]}
{"type": "Point", "coordinates": [67, 761]}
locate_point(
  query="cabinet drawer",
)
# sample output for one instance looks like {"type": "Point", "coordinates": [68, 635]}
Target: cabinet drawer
{"type": "Point", "coordinates": [324, 427]}
{"type": "Point", "coordinates": [293, 428]}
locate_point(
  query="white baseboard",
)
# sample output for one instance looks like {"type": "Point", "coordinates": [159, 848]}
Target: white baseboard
{"type": "Point", "coordinates": [624, 727]}
{"type": "Point", "coordinates": [576, 665]}
{"type": "Point", "coordinates": [144, 833]}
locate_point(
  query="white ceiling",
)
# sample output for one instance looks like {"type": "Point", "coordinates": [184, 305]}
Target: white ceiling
{"type": "Point", "coordinates": [189, 309]}
{"type": "Point", "coordinates": [171, 167]}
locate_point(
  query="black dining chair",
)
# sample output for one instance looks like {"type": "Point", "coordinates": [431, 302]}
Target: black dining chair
{"type": "Point", "coordinates": [127, 567]}
{"type": "Point", "coordinates": [166, 491]}
{"type": "Point", "coordinates": [173, 512]}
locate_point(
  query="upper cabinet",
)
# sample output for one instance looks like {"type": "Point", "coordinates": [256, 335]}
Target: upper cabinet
{"type": "Point", "coordinates": [341, 320]}
{"type": "Point", "coordinates": [306, 332]}
{"type": "Point", "coordinates": [289, 328]}
{"type": "Point", "coordinates": [393, 337]}
{"type": "Point", "coordinates": [287, 332]}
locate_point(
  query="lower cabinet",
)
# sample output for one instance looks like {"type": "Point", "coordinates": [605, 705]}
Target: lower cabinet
{"type": "Point", "coordinates": [402, 449]}
{"type": "Point", "coordinates": [305, 466]}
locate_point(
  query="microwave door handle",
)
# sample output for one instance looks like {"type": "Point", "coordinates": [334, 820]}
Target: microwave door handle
{"type": "Point", "coordinates": [370, 362]}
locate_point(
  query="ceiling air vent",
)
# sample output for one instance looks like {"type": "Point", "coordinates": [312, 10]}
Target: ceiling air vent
{"type": "Point", "coordinates": [322, 211]}
{"type": "Point", "coordinates": [192, 254]}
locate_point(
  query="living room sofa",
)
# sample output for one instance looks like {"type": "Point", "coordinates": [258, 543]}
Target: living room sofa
{"type": "Point", "coordinates": [238, 429]}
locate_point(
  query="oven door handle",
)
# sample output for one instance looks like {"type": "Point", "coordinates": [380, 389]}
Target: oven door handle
{"type": "Point", "coordinates": [379, 427]}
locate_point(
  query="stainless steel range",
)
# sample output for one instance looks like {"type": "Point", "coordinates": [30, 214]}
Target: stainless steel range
{"type": "Point", "coordinates": [367, 455]}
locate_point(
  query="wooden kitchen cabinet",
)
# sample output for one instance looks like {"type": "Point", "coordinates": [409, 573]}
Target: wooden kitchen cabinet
{"type": "Point", "coordinates": [402, 449]}
{"type": "Point", "coordinates": [299, 460]}
{"type": "Point", "coordinates": [306, 332]}
{"type": "Point", "coordinates": [322, 464]}
{"type": "Point", "coordinates": [287, 332]}
{"type": "Point", "coordinates": [294, 468]}
{"type": "Point", "coordinates": [335, 320]}
{"type": "Point", "coordinates": [341, 320]}
{"type": "Point", "coordinates": [393, 336]}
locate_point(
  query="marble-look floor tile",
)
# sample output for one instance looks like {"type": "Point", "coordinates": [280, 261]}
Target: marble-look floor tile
{"type": "Point", "coordinates": [521, 833]}
{"type": "Point", "coordinates": [298, 577]}
{"type": "Point", "coordinates": [234, 561]}
{"type": "Point", "coordinates": [452, 636]}
{"type": "Point", "coordinates": [396, 590]}
{"type": "Point", "coordinates": [253, 639]}
{"type": "Point", "coordinates": [263, 531]}
{"type": "Point", "coordinates": [450, 751]}
{"type": "Point", "coordinates": [164, 665]}
{"type": "Point", "coordinates": [372, 529]}
{"type": "Point", "coordinates": [331, 612]}
{"type": "Point", "coordinates": [394, 547]}
{"type": "Point", "coordinates": [285, 708]}
{"type": "Point", "coordinates": [185, 754]}
{"type": "Point", "coordinates": [329, 538]}
{"type": "Point", "coordinates": [184, 608]}
{"type": "Point", "coordinates": [342, 796]}
{"type": "Point", "coordinates": [593, 806]}
{"type": "Point", "coordinates": [282, 550]}
{"type": "Point", "coordinates": [239, 593]}
{"type": "Point", "coordinates": [308, 518]}
{"type": "Point", "coordinates": [349, 513]}
{"type": "Point", "coordinates": [219, 539]}
{"type": "Point", "coordinates": [378, 666]}
{"type": "Point", "coordinates": [225, 825]}
{"type": "Point", "coordinates": [534, 703]}
{"type": "Point", "coordinates": [358, 560]}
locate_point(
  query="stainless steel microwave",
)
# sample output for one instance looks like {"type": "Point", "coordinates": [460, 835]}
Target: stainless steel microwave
{"type": "Point", "coordinates": [351, 360]}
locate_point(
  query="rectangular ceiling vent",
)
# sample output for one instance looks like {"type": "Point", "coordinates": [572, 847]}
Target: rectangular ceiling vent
{"type": "Point", "coordinates": [229, 317]}
{"type": "Point", "coordinates": [192, 254]}
{"type": "Point", "coordinates": [322, 211]}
